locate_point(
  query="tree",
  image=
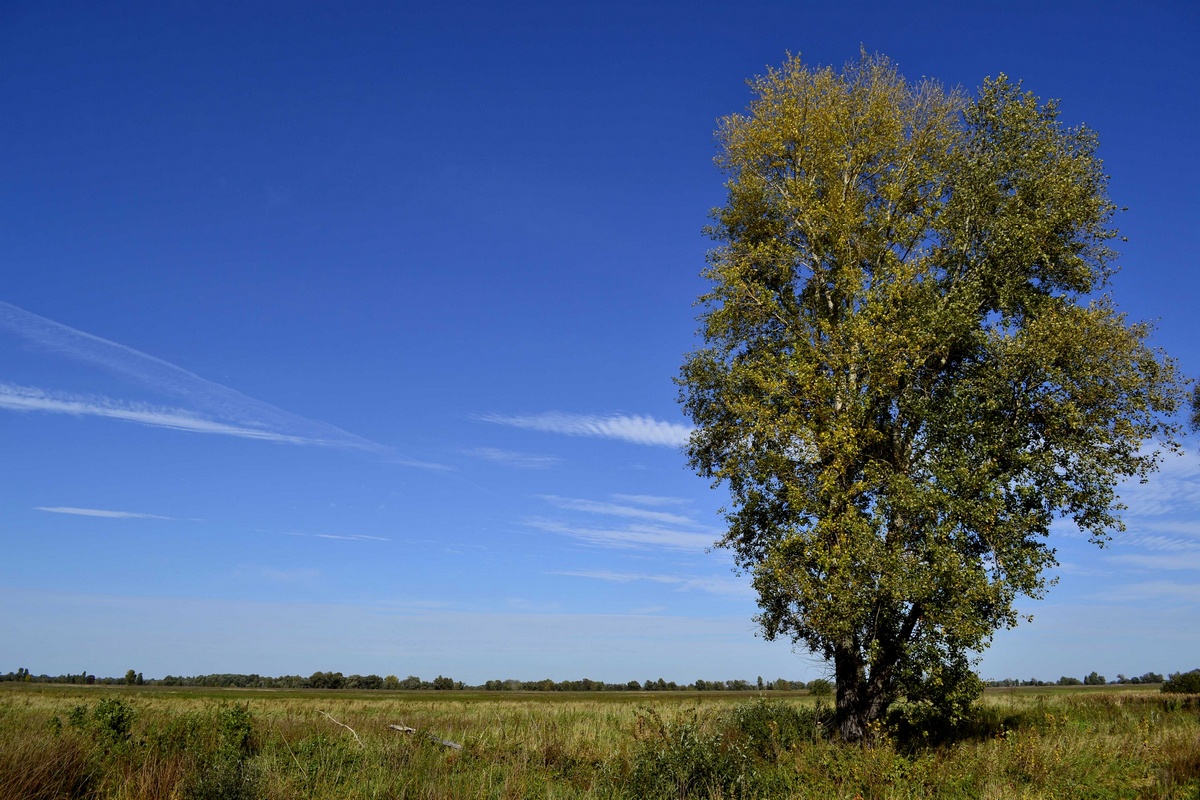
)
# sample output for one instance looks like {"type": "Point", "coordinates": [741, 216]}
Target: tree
{"type": "Point", "coordinates": [910, 368]}
{"type": "Point", "coordinates": [130, 678]}
{"type": "Point", "coordinates": [1094, 679]}
{"type": "Point", "coordinates": [1183, 683]}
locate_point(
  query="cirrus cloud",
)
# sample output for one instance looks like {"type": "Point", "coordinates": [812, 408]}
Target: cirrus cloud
{"type": "Point", "coordinates": [635, 428]}
{"type": "Point", "coordinates": [509, 458]}
{"type": "Point", "coordinates": [98, 512]}
{"type": "Point", "coordinates": [208, 407]}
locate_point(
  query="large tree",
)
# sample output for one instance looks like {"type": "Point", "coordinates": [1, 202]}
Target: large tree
{"type": "Point", "coordinates": [911, 368]}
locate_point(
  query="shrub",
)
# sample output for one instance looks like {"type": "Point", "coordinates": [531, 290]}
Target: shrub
{"type": "Point", "coordinates": [938, 698]}
{"type": "Point", "coordinates": [215, 747]}
{"type": "Point", "coordinates": [222, 770]}
{"type": "Point", "coordinates": [114, 719]}
{"type": "Point", "coordinates": [686, 759]}
{"type": "Point", "coordinates": [772, 727]}
{"type": "Point", "coordinates": [734, 754]}
{"type": "Point", "coordinates": [819, 687]}
{"type": "Point", "coordinates": [110, 723]}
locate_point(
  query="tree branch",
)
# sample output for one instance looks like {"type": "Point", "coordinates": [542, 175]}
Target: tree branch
{"type": "Point", "coordinates": [347, 727]}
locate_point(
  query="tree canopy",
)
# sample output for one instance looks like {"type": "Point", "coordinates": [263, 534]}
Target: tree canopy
{"type": "Point", "coordinates": [911, 368]}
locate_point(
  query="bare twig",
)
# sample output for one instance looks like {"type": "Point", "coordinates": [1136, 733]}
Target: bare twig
{"type": "Point", "coordinates": [347, 727]}
{"type": "Point", "coordinates": [437, 739]}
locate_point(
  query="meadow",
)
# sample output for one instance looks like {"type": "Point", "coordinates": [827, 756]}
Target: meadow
{"type": "Point", "coordinates": [127, 743]}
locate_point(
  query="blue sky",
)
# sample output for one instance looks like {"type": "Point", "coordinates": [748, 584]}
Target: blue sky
{"type": "Point", "coordinates": [342, 336]}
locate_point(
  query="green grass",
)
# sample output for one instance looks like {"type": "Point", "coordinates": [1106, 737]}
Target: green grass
{"type": "Point", "coordinates": [127, 743]}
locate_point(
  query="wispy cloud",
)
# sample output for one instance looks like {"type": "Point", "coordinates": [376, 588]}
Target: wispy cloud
{"type": "Point", "coordinates": [612, 509]}
{"type": "Point", "coordinates": [1151, 590]}
{"type": "Point", "coordinates": [630, 536]}
{"type": "Point", "coordinates": [1072, 568]}
{"type": "Point", "coordinates": [651, 500]}
{"type": "Point", "coordinates": [1162, 535]}
{"type": "Point", "coordinates": [1156, 563]}
{"type": "Point", "coordinates": [1171, 490]}
{"type": "Point", "coordinates": [352, 537]}
{"type": "Point", "coordinates": [98, 512]}
{"type": "Point", "coordinates": [636, 428]}
{"type": "Point", "coordinates": [418, 464]}
{"type": "Point", "coordinates": [712, 585]}
{"type": "Point", "coordinates": [288, 576]}
{"type": "Point", "coordinates": [1172, 543]}
{"type": "Point", "coordinates": [1188, 527]}
{"type": "Point", "coordinates": [24, 398]}
{"type": "Point", "coordinates": [211, 407]}
{"type": "Point", "coordinates": [509, 458]}
{"type": "Point", "coordinates": [647, 528]}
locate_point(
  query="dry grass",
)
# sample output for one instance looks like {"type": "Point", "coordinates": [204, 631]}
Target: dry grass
{"type": "Point", "coordinates": [226, 745]}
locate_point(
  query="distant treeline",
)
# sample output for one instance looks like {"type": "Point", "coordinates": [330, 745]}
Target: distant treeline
{"type": "Point", "coordinates": [336, 680]}
{"type": "Point", "coordinates": [1092, 679]}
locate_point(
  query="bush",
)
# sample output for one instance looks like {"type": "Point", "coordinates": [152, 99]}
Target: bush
{"type": "Point", "coordinates": [221, 769]}
{"type": "Point", "coordinates": [819, 687]}
{"type": "Point", "coordinates": [1183, 683]}
{"type": "Point", "coordinates": [729, 755]}
{"type": "Point", "coordinates": [215, 747]}
{"type": "Point", "coordinates": [772, 727]}
{"type": "Point", "coordinates": [110, 723]}
{"type": "Point", "coordinates": [941, 695]}
{"type": "Point", "coordinates": [686, 759]}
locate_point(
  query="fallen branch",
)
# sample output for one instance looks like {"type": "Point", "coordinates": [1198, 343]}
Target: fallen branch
{"type": "Point", "coordinates": [347, 727]}
{"type": "Point", "coordinates": [437, 739]}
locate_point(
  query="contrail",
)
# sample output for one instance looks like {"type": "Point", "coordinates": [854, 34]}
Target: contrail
{"type": "Point", "coordinates": [217, 409]}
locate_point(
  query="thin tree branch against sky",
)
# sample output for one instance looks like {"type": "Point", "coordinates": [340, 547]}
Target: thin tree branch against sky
{"type": "Point", "coordinates": [356, 326]}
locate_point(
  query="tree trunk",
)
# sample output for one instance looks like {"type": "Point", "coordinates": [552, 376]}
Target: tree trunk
{"type": "Point", "coordinates": [860, 701]}
{"type": "Point", "coordinates": [851, 704]}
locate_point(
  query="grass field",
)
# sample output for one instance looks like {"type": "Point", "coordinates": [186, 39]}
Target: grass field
{"type": "Point", "coordinates": [210, 744]}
